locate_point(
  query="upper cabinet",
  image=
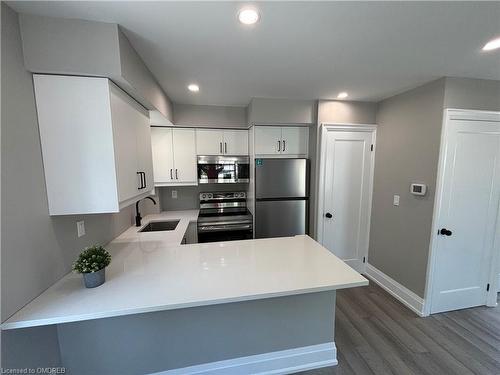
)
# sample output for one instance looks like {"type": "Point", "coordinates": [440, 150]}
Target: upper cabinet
{"type": "Point", "coordinates": [281, 140]}
{"type": "Point", "coordinates": [221, 142]}
{"type": "Point", "coordinates": [96, 145]}
{"type": "Point", "coordinates": [174, 156]}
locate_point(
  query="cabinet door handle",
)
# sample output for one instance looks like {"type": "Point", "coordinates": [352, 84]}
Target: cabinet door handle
{"type": "Point", "coordinates": [171, 177]}
{"type": "Point", "coordinates": [220, 147]}
{"type": "Point", "coordinates": [279, 146]}
{"type": "Point", "coordinates": [145, 181]}
{"type": "Point", "coordinates": [140, 183]}
{"type": "Point", "coordinates": [225, 147]}
{"type": "Point", "coordinates": [176, 177]}
{"type": "Point", "coordinates": [284, 145]}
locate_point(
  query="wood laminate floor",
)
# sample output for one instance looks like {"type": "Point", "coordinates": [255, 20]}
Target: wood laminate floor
{"type": "Point", "coordinates": [375, 334]}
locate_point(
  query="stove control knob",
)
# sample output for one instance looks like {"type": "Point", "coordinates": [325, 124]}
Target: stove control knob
{"type": "Point", "coordinates": [210, 196]}
{"type": "Point", "coordinates": [203, 196]}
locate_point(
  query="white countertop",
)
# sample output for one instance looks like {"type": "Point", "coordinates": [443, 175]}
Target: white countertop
{"type": "Point", "coordinates": [153, 272]}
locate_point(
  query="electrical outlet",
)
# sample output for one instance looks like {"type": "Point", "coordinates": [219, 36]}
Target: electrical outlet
{"type": "Point", "coordinates": [174, 194]}
{"type": "Point", "coordinates": [80, 228]}
{"type": "Point", "coordinates": [395, 202]}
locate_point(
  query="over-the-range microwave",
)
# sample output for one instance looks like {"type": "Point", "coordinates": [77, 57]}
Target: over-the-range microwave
{"type": "Point", "coordinates": [223, 169]}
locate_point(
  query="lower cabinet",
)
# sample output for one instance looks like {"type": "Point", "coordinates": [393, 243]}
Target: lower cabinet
{"type": "Point", "coordinates": [191, 235]}
{"type": "Point", "coordinates": [174, 156]}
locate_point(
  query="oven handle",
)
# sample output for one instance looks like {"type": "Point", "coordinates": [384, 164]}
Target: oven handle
{"type": "Point", "coordinates": [218, 228]}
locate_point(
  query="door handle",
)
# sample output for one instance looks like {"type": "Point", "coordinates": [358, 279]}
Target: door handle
{"type": "Point", "coordinates": [176, 177]}
{"type": "Point", "coordinates": [220, 147]}
{"type": "Point", "coordinates": [445, 232]}
{"type": "Point", "coordinates": [284, 145]}
{"type": "Point", "coordinates": [171, 176]}
{"type": "Point", "coordinates": [145, 181]}
{"type": "Point", "coordinates": [328, 215]}
{"type": "Point", "coordinates": [225, 147]}
{"type": "Point", "coordinates": [279, 146]}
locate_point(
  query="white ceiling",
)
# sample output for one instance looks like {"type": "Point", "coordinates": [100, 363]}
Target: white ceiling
{"type": "Point", "coordinates": [299, 50]}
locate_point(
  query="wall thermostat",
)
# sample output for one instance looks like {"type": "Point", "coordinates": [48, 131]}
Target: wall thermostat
{"type": "Point", "coordinates": [418, 189]}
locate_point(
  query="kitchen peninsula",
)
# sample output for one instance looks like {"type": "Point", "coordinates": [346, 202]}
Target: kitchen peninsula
{"type": "Point", "coordinates": [271, 300]}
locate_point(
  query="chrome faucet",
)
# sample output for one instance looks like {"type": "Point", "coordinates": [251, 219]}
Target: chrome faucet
{"type": "Point", "coordinates": [138, 217]}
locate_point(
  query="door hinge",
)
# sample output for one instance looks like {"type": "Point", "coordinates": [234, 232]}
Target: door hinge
{"type": "Point", "coordinates": [371, 148]}
{"type": "Point", "coordinates": [364, 259]}
{"type": "Point", "coordinates": [488, 287]}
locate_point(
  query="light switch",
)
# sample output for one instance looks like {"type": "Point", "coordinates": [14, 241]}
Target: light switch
{"type": "Point", "coordinates": [80, 228]}
{"type": "Point", "coordinates": [395, 201]}
{"type": "Point", "coordinates": [174, 194]}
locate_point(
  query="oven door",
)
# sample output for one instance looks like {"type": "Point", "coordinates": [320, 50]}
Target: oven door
{"type": "Point", "coordinates": [223, 169]}
{"type": "Point", "coordinates": [224, 232]}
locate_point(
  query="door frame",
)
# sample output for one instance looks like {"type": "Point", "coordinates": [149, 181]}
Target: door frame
{"type": "Point", "coordinates": [450, 114]}
{"type": "Point", "coordinates": [321, 171]}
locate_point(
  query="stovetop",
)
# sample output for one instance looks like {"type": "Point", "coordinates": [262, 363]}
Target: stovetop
{"type": "Point", "coordinates": [223, 207]}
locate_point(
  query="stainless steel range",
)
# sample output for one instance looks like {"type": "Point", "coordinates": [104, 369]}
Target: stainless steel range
{"type": "Point", "coordinates": [224, 217]}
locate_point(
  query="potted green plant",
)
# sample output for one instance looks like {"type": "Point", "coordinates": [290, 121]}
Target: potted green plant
{"type": "Point", "coordinates": [92, 263]}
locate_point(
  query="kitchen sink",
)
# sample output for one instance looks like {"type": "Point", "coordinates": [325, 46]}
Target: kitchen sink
{"type": "Point", "coordinates": [158, 226]}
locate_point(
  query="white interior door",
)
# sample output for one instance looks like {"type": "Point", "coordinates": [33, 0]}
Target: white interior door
{"type": "Point", "coordinates": [184, 141]}
{"type": "Point", "coordinates": [163, 160]}
{"type": "Point", "coordinates": [347, 185]}
{"type": "Point", "coordinates": [466, 220]}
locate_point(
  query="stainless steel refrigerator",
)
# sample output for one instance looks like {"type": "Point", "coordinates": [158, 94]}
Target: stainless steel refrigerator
{"type": "Point", "coordinates": [281, 197]}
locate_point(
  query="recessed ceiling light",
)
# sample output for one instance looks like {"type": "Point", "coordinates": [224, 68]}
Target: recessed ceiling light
{"type": "Point", "coordinates": [248, 16]}
{"type": "Point", "coordinates": [492, 44]}
{"type": "Point", "coordinates": [193, 88]}
{"type": "Point", "coordinates": [342, 95]}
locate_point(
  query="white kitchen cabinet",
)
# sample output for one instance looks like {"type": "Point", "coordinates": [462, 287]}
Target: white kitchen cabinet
{"type": "Point", "coordinates": [209, 142]}
{"type": "Point", "coordinates": [174, 156]}
{"type": "Point", "coordinates": [96, 146]}
{"type": "Point", "coordinates": [267, 140]}
{"type": "Point", "coordinates": [281, 140]}
{"type": "Point", "coordinates": [295, 140]}
{"type": "Point", "coordinates": [236, 142]}
{"type": "Point", "coordinates": [221, 142]}
{"type": "Point", "coordinates": [163, 156]}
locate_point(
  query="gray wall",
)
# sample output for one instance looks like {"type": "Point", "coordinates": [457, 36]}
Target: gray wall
{"type": "Point", "coordinates": [408, 142]}
{"type": "Point", "coordinates": [210, 116]}
{"type": "Point", "coordinates": [69, 46]}
{"type": "Point", "coordinates": [37, 249]}
{"type": "Point", "coordinates": [336, 111]}
{"type": "Point", "coordinates": [139, 79]}
{"type": "Point", "coordinates": [30, 347]}
{"type": "Point", "coordinates": [268, 111]}
{"type": "Point", "coordinates": [188, 196]}
{"type": "Point", "coordinates": [147, 343]}
{"type": "Point", "coordinates": [408, 138]}
{"type": "Point", "coordinates": [88, 48]}
{"type": "Point", "coordinates": [467, 93]}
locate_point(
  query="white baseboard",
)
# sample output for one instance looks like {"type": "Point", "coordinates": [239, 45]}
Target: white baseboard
{"type": "Point", "coordinates": [404, 295]}
{"type": "Point", "coordinates": [280, 362]}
